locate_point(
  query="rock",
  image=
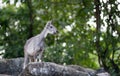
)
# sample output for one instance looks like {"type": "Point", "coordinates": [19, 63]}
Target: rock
{"type": "Point", "coordinates": [50, 69]}
{"type": "Point", "coordinates": [103, 74]}
{"type": "Point", "coordinates": [4, 75]}
{"type": "Point", "coordinates": [11, 66]}
{"type": "Point", "coordinates": [80, 68]}
{"type": "Point", "coordinates": [91, 72]}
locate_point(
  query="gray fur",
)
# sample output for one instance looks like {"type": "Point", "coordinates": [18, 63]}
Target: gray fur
{"type": "Point", "coordinates": [34, 46]}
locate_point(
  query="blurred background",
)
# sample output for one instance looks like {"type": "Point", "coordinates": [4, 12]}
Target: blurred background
{"type": "Point", "coordinates": [89, 31]}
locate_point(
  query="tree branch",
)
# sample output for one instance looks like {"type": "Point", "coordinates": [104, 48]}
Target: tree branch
{"type": "Point", "coordinates": [29, 4]}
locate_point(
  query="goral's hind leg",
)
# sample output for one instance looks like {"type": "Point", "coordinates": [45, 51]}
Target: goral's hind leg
{"type": "Point", "coordinates": [26, 60]}
{"type": "Point", "coordinates": [40, 56]}
{"type": "Point", "coordinates": [32, 59]}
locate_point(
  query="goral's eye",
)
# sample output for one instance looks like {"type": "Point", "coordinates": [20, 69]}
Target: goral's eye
{"type": "Point", "coordinates": [50, 26]}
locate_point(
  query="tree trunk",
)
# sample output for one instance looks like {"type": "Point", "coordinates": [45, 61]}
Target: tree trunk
{"type": "Point", "coordinates": [97, 16]}
{"type": "Point", "coordinates": [29, 4]}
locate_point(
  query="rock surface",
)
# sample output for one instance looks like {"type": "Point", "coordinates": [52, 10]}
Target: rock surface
{"type": "Point", "coordinates": [13, 67]}
{"type": "Point", "coordinates": [50, 69]}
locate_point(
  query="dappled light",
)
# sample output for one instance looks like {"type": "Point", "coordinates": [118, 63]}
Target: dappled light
{"type": "Point", "coordinates": [88, 31]}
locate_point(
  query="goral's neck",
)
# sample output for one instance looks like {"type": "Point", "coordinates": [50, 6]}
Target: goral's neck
{"type": "Point", "coordinates": [44, 33]}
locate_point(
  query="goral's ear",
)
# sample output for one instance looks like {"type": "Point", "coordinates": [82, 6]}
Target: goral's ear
{"type": "Point", "coordinates": [49, 23]}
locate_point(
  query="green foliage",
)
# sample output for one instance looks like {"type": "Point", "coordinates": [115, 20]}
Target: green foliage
{"type": "Point", "coordinates": [75, 43]}
{"type": "Point", "coordinates": [110, 54]}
